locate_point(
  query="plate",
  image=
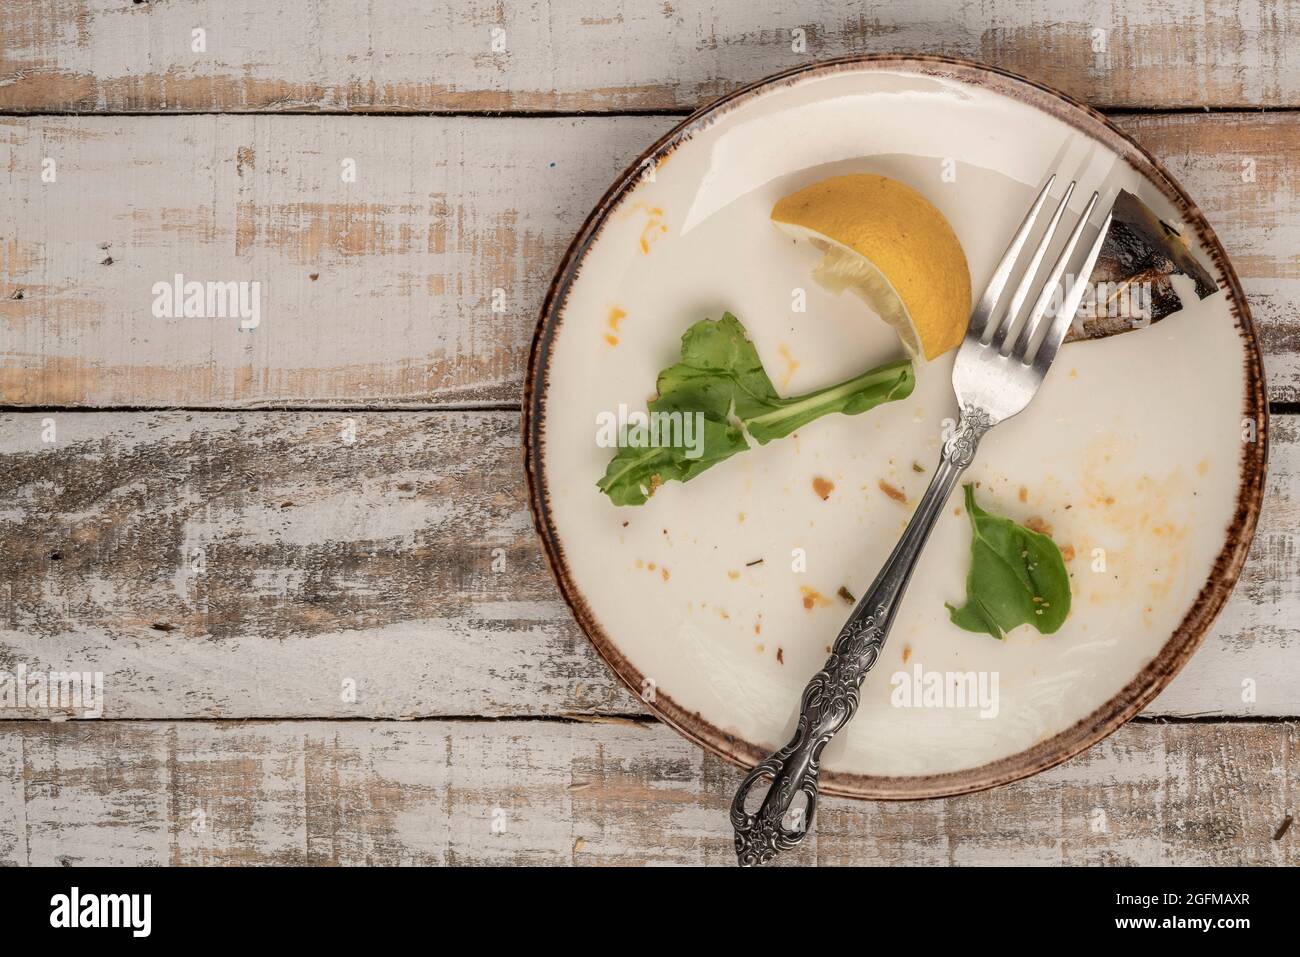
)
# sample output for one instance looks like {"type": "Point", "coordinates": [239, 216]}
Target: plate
{"type": "Point", "coordinates": [717, 600]}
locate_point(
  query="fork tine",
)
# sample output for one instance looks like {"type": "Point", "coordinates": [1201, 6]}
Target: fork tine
{"type": "Point", "coordinates": [1049, 287]}
{"type": "Point", "coordinates": [993, 291]}
{"type": "Point", "coordinates": [999, 339]}
{"type": "Point", "coordinates": [1056, 332]}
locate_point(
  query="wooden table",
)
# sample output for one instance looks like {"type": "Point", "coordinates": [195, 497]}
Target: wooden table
{"type": "Point", "coordinates": [327, 651]}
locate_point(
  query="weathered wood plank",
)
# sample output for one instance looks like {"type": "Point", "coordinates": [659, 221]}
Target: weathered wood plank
{"type": "Point", "coordinates": [403, 562]}
{"type": "Point", "coordinates": [380, 292]}
{"type": "Point", "coordinates": [105, 55]}
{"type": "Point", "coordinates": [376, 291]}
{"type": "Point", "coordinates": [557, 793]}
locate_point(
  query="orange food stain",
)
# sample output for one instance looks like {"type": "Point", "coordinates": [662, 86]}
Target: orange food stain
{"type": "Point", "coordinates": [654, 227]}
{"type": "Point", "coordinates": [791, 365]}
{"type": "Point", "coordinates": [907, 653]}
{"type": "Point", "coordinates": [616, 315]}
{"type": "Point", "coordinates": [664, 573]}
{"type": "Point", "coordinates": [611, 339]}
{"type": "Point", "coordinates": [823, 487]}
{"type": "Point", "coordinates": [733, 575]}
{"type": "Point", "coordinates": [1024, 494]}
{"type": "Point", "coordinates": [812, 597]}
{"type": "Point", "coordinates": [1036, 523]}
{"type": "Point", "coordinates": [1067, 553]}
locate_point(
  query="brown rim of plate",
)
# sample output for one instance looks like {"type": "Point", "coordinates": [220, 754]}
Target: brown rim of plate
{"type": "Point", "coordinates": [1186, 638]}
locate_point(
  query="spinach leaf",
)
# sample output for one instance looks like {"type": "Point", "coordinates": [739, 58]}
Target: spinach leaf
{"type": "Point", "coordinates": [1017, 577]}
{"type": "Point", "coordinates": [720, 384]}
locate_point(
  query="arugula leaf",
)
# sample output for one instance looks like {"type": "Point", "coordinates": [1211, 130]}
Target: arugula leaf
{"type": "Point", "coordinates": [1017, 577]}
{"type": "Point", "coordinates": [721, 378]}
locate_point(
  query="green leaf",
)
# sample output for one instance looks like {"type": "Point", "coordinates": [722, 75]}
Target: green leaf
{"type": "Point", "coordinates": [1017, 577]}
{"type": "Point", "coordinates": [721, 378]}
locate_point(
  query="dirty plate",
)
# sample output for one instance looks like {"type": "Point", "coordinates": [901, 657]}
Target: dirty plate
{"type": "Point", "coordinates": [716, 600]}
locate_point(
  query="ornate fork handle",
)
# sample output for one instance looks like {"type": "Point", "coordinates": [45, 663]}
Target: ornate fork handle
{"type": "Point", "coordinates": [831, 698]}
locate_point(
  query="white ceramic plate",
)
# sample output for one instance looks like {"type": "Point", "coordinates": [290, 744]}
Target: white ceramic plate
{"type": "Point", "coordinates": [1132, 452]}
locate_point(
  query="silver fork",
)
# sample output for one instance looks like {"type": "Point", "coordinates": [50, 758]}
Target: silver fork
{"type": "Point", "coordinates": [996, 374]}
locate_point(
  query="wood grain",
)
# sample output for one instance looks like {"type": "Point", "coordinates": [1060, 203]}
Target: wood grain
{"type": "Point", "coordinates": [380, 292]}
{"type": "Point", "coordinates": [404, 562]}
{"type": "Point", "coordinates": [430, 792]}
{"type": "Point", "coordinates": [411, 56]}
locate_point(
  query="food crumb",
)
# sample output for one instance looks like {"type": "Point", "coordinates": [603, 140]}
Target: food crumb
{"type": "Point", "coordinates": [896, 494]}
{"type": "Point", "coordinates": [846, 595]}
{"type": "Point", "coordinates": [664, 573]}
{"type": "Point", "coordinates": [917, 467]}
{"type": "Point", "coordinates": [907, 653]}
{"type": "Point", "coordinates": [823, 487]}
{"type": "Point", "coordinates": [780, 657]}
{"type": "Point", "coordinates": [640, 563]}
{"type": "Point", "coordinates": [756, 561]}
{"type": "Point", "coordinates": [758, 627]}
{"type": "Point", "coordinates": [1067, 553]}
{"type": "Point", "coordinates": [578, 845]}
{"type": "Point", "coordinates": [651, 566]}
{"type": "Point", "coordinates": [760, 648]}
{"type": "Point", "coordinates": [740, 517]}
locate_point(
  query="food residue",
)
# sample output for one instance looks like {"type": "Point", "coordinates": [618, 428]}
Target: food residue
{"type": "Point", "coordinates": [907, 653]}
{"type": "Point", "coordinates": [846, 595]}
{"type": "Point", "coordinates": [1067, 553]}
{"type": "Point", "coordinates": [1024, 494]}
{"type": "Point", "coordinates": [812, 597]}
{"type": "Point", "coordinates": [791, 365]}
{"type": "Point", "coordinates": [780, 656]}
{"type": "Point", "coordinates": [896, 494]}
{"type": "Point", "coordinates": [1035, 523]}
{"type": "Point", "coordinates": [654, 227]}
{"type": "Point", "coordinates": [823, 487]}
{"type": "Point", "coordinates": [733, 575]}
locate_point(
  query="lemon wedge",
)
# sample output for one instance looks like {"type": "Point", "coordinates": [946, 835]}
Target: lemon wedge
{"type": "Point", "coordinates": [889, 245]}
